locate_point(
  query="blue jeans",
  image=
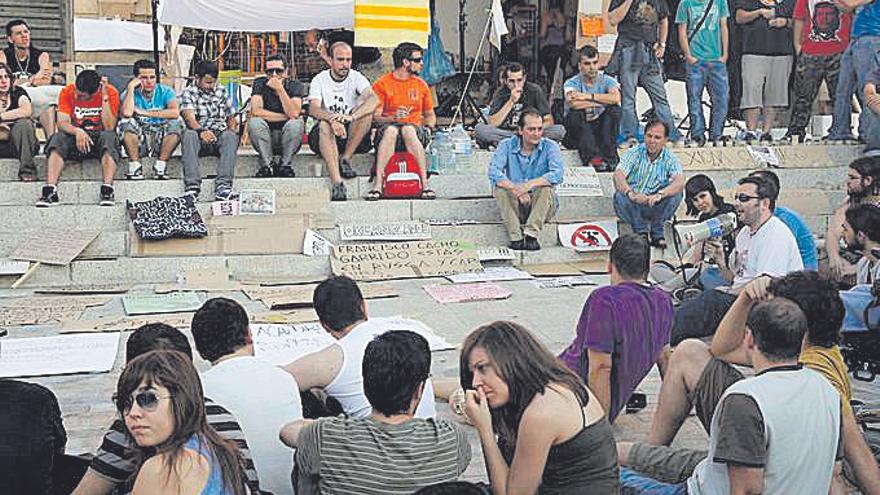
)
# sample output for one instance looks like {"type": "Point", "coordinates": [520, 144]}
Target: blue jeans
{"type": "Point", "coordinates": [643, 217]}
{"type": "Point", "coordinates": [857, 61]}
{"type": "Point", "coordinates": [638, 66]}
{"type": "Point", "coordinates": [711, 75]}
{"type": "Point", "coordinates": [633, 482]}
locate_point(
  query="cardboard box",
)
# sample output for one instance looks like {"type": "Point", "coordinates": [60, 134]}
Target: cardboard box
{"type": "Point", "coordinates": [270, 234]}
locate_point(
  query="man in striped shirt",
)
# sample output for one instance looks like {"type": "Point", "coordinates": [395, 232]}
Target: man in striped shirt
{"type": "Point", "coordinates": [390, 452]}
{"type": "Point", "coordinates": [112, 468]}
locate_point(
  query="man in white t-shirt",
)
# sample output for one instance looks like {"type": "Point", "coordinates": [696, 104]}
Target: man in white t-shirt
{"type": "Point", "coordinates": [342, 100]}
{"type": "Point", "coordinates": [765, 245]}
{"type": "Point", "coordinates": [262, 396]}
{"type": "Point", "coordinates": [337, 369]}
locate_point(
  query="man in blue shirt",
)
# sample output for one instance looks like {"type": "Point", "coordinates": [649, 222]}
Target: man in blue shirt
{"type": "Point", "coordinates": [523, 171]}
{"type": "Point", "coordinates": [150, 118]}
{"type": "Point", "coordinates": [802, 234]}
{"type": "Point", "coordinates": [592, 113]}
{"type": "Point", "coordinates": [872, 115]}
{"type": "Point", "coordinates": [648, 184]}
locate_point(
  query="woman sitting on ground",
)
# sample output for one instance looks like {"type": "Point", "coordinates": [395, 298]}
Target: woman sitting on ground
{"type": "Point", "coordinates": [553, 437]}
{"type": "Point", "coordinates": [704, 202]}
{"type": "Point", "coordinates": [160, 397]}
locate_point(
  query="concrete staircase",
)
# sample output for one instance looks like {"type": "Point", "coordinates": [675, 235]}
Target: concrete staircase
{"type": "Point", "coordinates": [811, 187]}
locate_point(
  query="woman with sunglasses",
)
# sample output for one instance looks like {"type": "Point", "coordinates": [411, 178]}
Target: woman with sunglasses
{"type": "Point", "coordinates": [18, 139]}
{"type": "Point", "coordinates": [552, 434]}
{"type": "Point", "coordinates": [160, 397]}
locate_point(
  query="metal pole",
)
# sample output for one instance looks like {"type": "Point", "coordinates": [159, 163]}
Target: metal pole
{"type": "Point", "coordinates": [154, 7]}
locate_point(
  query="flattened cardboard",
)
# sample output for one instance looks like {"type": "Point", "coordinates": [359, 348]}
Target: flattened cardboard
{"type": "Point", "coordinates": [457, 293]}
{"type": "Point", "coordinates": [174, 302]}
{"type": "Point", "coordinates": [12, 267]}
{"type": "Point", "coordinates": [124, 324]}
{"type": "Point", "coordinates": [242, 234]}
{"type": "Point", "coordinates": [571, 268]}
{"type": "Point", "coordinates": [311, 201]}
{"type": "Point", "coordinates": [289, 317]}
{"type": "Point", "coordinates": [86, 289]}
{"type": "Point", "coordinates": [58, 355]}
{"type": "Point", "coordinates": [54, 247]}
{"type": "Point", "coordinates": [300, 296]}
{"type": "Point", "coordinates": [202, 281]}
{"type": "Point", "coordinates": [412, 259]}
{"type": "Point", "coordinates": [48, 309]}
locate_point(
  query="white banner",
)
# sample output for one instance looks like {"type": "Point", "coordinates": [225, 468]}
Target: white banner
{"type": "Point", "coordinates": [392, 231]}
{"type": "Point", "coordinates": [258, 15]}
{"type": "Point", "coordinates": [588, 236]}
{"type": "Point", "coordinates": [59, 355]}
{"type": "Point", "coordinates": [582, 181]}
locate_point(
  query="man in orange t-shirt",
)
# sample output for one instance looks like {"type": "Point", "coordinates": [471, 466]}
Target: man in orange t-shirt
{"type": "Point", "coordinates": [405, 115]}
{"type": "Point", "coordinates": [87, 113]}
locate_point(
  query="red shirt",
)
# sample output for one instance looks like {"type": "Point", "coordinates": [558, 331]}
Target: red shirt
{"type": "Point", "coordinates": [826, 27]}
{"type": "Point", "coordinates": [86, 114]}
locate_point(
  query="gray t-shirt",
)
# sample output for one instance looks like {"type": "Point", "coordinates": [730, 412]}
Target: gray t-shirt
{"type": "Point", "coordinates": [365, 457]}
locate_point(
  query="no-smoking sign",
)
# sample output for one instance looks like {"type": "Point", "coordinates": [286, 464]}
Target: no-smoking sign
{"type": "Point", "coordinates": [592, 236]}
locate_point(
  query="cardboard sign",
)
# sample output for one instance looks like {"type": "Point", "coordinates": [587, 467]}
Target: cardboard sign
{"type": "Point", "coordinates": [316, 245]}
{"type": "Point", "coordinates": [54, 247]}
{"type": "Point", "coordinates": [763, 155]}
{"type": "Point", "coordinates": [305, 202]}
{"type": "Point", "coordinates": [174, 302]}
{"type": "Point", "coordinates": [496, 254]}
{"type": "Point", "coordinates": [11, 267]}
{"type": "Point", "coordinates": [582, 181]}
{"type": "Point", "coordinates": [288, 317]}
{"type": "Point", "coordinates": [124, 324]}
{"type": "Point", "coordinates": [202, 280]}
{"type": "Point", "coordinates": [225, 208]}
{"type": "Point", "coordinates": [457, 293]}
{"type": "Point", "coordinates": [556, 282]}
{"type": "Point", "coordinates": [567, 269]}
{"type": "Point", "coordinates": [450, 221]}
{"type": "Point", "coordinates": [591, 25]}
{"type": "Point", "coordinates": [283, 344]}
{"type": "Point", "coordinates": [414, 259]}
{"type": "Point", "coordinates": [86, 289]}
{"type": "Point", "coordinates": [588, 236]}
{"type": "Point", "coordinates": [394, 231]}
{"type": "Point", "coordinates": [300, 296]}
{"type": "Point", "coordinates": [45, 310]}
{"type": "Point", "coordinates": [59, 355]}
{"type": "Point", "coordinates": [490, 274]}
{"type": "Point", "coordinates": [256, 202]}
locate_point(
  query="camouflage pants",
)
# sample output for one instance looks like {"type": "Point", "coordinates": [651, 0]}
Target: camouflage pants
{"type": "Point", "coordinates": [808, 74]}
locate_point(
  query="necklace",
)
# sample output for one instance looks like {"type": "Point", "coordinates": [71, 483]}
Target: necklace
{"type": "Point", "coordinates": [27, 62]}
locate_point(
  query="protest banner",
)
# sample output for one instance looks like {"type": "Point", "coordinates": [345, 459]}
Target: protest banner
{"type": "Point", "coordinates": [412, 259]}
{"type": "Point", "coordinates": [763, 155]}
{"type": "Point", "coordinates": [54, 247]}
{"type": "Point", "coordinates": [490, 274]}
{"type": "Point", "coordinates": [45, 310]}
{"type": "Point", "coordinates": [174, 302]}
{"type": "Point", "coordinates": [582, 181]}
{"type": "Point", "coordinates": [315, 244]}
{"type": "Point", "coordinates": [124, 324]}
{"type": "Point", "coordinates": [282, 344]}
{"type": "Point", "coordinates": [457, 293]}
{"type": "Point", "coordinates": [391, 231]}
{"type": "Point", "coordinates": [588, 236]}
{"type": "Point", "coordinates": [58, 355]}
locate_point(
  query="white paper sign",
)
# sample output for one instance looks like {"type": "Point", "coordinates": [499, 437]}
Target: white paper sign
{"type": "Point", "coordinates": [394, 231]}
{"type": "Point", "coordinates": [435, 342]}
{"type": "Point", "coordinates": [495, 254]}
{"type": "Point", "coordinates": [225, 208]}
{"type": "Point", "coordinates": [556, 282]}
{"type": "Point", "coordinates": [763, 155]}
{"type": "Point", "coordinates": [583, 181]}
{"type": "Point", "coordinates": [282, 344]}
{"type": "Point", "coordinates": [606, 42]}
{"type": "Point", "coordinates": [588, 236]}
{"type": "Point", "coordinates": [12, 267]}
{"type": "Point", "coordinates": [59, 355]}
{"type": "Point", "coordinates": [490, 274]}
{"type": "Point", "coordinates": [257, 202]}
{"type": "Point", "coordinates": [315, 244]}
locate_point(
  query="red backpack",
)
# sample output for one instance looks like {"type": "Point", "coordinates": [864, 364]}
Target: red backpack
{"type": "Point", "coordinates": [402, 178]}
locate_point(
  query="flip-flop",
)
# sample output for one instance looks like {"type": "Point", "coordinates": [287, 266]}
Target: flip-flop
{"type": "Point", "coordinates": [428, 194]}
{"type": "Point", "coordinates": [373, 195]}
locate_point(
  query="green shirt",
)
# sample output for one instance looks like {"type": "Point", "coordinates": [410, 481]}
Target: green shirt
{"type": "Point", "coordinates": [706, 44]}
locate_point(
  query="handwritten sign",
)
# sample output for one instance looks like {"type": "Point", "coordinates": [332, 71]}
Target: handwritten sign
{"type": "Point", "coordinates": [394, 231]}
{"type": "Point", "coordinates": [496, 254]}
{"type": "Point", "coordinates": [10, 267]}
{"type": "Point", "coordinates": [763, 155]}
{"type": "Point", "coordinates": [435, 342]}
{"type": "Point", "coordinates": [457, 293]}
{"type": "Point", "coordinates": [567, 269]}
{"type": "Point", "coordinates": [282, 344]}
{"type": "Point", "coordinates": [124, 324]}
{"type": "Point", "coordinates": [556, 282]}
{"type": "Point", "coordinates": [257, 202]}
{"type": "Point", "coordinates": [45, 310]}
{"type": "Point", "coordinates": [490, 274]}
{"type": "Point", "coordinates": [54, 247]}
{"type": "Point", "coordinates": [583, 181]}
{"type": "Point", "coordinates": [300, 296]}
{"type": "Point", "coordinates": [588, 236]}
{"type": "Point", "coordinates": [59, 355]}
{"type": "Point", "coordinates": [174, 302]}
{"type": "Point", "coordinates": [225, 208]}
{"type": "Point", "coordinates": [316, 245]}
{"type": "Point", "coordinates": [415, 259]}
{"type": "Point", "coordinates": [287, 317]}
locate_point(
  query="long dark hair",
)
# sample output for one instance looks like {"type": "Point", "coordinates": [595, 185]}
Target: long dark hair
{"type": "Point", "coordinates": [175, 371]}
{"type": "Point", "coordinates": [525, 365]}
{"type": "Point", "coordinates": [697, 184]}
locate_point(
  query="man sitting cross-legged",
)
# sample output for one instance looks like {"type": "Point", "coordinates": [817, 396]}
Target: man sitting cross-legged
{"type": "Point", "coordinates": [276, 118]}
{"type": "Point", "coordinates": [698, 374]}
{"type": "Point", "coordinates": [150, 119]}
{"type": "Point", "coordinates": [523, 172]}
{"type": "Point", "coordinates": [776, 432]}
{"type": "Point", "coordinates": [862, 187]}
{"type": "Point", "coordinates": [260, 395]}
{"type": "Point", "coordinates": [342, 101]}
{"type": "Point", "coordinates": [623, 328]}
{"type": "Point", "coordinates": [115, 462]}
{"type": "Point", "coordinates": [337, 368]}
{"type": "Point", "coordinates": [390, 451]}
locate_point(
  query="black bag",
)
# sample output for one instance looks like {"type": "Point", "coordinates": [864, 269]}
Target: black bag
{"type": "Point", "coordinates": [164, 218]}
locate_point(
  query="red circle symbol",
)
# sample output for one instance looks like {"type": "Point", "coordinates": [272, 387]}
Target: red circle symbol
{"type": "Point", "coordinates": [590, 236]}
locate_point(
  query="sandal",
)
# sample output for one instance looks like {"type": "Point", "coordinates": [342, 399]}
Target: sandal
{"type": "Point", "coordinates": [373, 195]}
{"type": "Point", "coordinates": [428, 194]}
{"type": "Point", "coordinates": [27, 178]}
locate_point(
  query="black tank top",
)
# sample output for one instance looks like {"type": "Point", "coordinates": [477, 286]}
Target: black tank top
{"type": "Point", "coordinates": [23, 68]}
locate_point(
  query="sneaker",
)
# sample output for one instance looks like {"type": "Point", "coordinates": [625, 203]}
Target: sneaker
{"type": "Point", "coordinates": [345, 169]}
{"type": "Point", "coordinates": [48, 197]}
{"type": "Point", "coordinates": [696, 142]}
{"type": "Point", "coordinates": [108, 198]}
{"type": "Point", "coordinates": [224, 193]}
{"type": "Point", "coordinates": [159, 174]}
{"type": "Point", "coordinates": [517, 245]}
{"type": "Point", "coordinates": [766, 137]}
{"type": "Point", "coordinates": [192, 193]}
{"type": "Point", "coordinates": [264, 172]}
{"type": "Point", "coordinates": [659, 243]}
{"type": "Point", "coordinates": [285, 171]}
{"type": "Point", "coordinates": [531, 244]}
{"type": "Point", "coordinates": [135, 171]}
{"type": "Point", "coordinates": [338, 192]}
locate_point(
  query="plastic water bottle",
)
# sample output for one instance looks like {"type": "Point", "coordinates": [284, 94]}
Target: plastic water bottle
{"type": "Point", "coordinates": [442, 148]}
{"type": "Point", "coordinates": [462, 145]}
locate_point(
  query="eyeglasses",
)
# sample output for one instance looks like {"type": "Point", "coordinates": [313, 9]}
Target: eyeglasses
{"type": "Point", "coordinates": [274, 71]}
{"type": "Point", "coordinates": [148, 400]}
{"type": "Point", "coordinates": [744, 198]}
{"type": "Point", "coordinates": [416, 60]}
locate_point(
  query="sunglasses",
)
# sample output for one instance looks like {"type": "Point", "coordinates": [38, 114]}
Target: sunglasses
{"type": "Point", "coordinates": [417, 60]}
{"type": "Point", "coordinates": [274, 71]}
{"type": "Point", "coordinates": [744, 198]}
{"type": "Point", "coordinates": [148, 400]}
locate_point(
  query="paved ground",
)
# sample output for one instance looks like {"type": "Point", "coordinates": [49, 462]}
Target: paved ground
{"type": "Point", "coordinates": [551, 314]}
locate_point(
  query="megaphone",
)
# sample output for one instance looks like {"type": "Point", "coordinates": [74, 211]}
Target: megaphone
{"type": "Point", "coordinates": [685, 237]}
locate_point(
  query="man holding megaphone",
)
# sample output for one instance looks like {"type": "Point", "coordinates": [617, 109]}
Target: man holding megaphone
{"type": "Point", "coordinates": [764, 246]}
